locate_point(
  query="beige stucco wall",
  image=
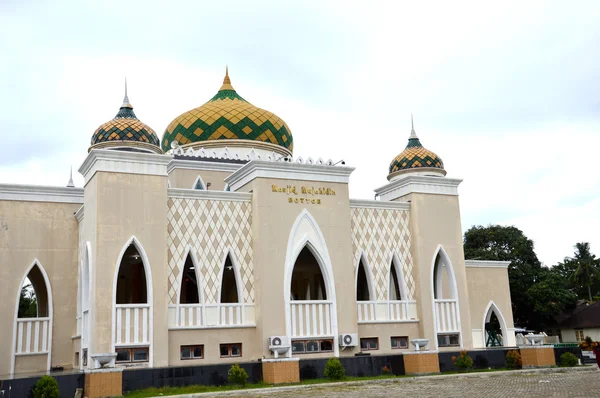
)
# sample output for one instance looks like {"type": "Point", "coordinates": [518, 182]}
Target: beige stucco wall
{"type": "Point", "coordinates": [273, 218]}
{"type": "Point", "coordinates": [128, 205]}
{"type": "Point", "coordinates": [435, 222]}
{"type": "Point", "coordinates": [33, 364]}
{"type": "Point", "coordinates": [186, 178]}
{"type": "Point", "coordinates": [384, 331]}
{"type": "Point", "coordinates": [485, 285]}
{"type": "Point", "coordinates": [212, 339]}
{"type": "Point", "coordinates": [46, 232]}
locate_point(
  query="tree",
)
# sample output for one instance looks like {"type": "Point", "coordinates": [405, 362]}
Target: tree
{"type": "Point", "coordinates": [549, 296]}
{"type": "Point", "coordinates": [496, 242]}
{"type": "Point", "coordinates": [27, 302]}
{"type": "Point", "coordinates": [586, 272]}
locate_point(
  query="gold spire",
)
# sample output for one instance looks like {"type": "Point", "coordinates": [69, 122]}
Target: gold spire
{"type": "Point", "coordinates": [226, 81]}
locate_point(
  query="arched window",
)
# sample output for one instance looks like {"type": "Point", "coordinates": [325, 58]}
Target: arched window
{"type": "Point", "coordinates": [33, 302]}
{"type": "Point", "coordinates": [394, 290]}
{"type": "Point", "coordinates": [199, 184]}
{"type": "Point", "coordinates": [363, 292]}
{"type": "Point", "coordinates": [190, 292]}
{"type": "Point", "coordinates": [131, 282]}
{"type": "Point", "coordinates": [494, 327]}
{"type": "Point", "coordinates": [229, 288]}
{"type": "Point", "coordinates": [444, 286]}
{"type": "Point", "coordinates": [307, 279]}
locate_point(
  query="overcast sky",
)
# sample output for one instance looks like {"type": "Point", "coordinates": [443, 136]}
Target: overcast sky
{"type": "Point", "coordinates": [507, 93]}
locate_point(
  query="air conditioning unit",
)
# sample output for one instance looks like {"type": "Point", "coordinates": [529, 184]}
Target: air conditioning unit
{"type": "Point", "coordinates": [348, 340]}
{"type": "Point", "coordinates": [279, 345]}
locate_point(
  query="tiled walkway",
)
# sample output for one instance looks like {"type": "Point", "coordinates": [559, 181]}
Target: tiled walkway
{"type": "Point", "coordinates": [555, 383]}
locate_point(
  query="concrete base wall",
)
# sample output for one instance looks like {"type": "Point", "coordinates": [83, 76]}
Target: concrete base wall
{"type": "Point", "coordinates": [421, 363]}
{"type": "Point", "coordinates": [278, 372]}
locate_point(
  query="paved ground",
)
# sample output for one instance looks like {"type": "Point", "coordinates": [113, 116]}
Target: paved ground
{"type": "Point", "coordinates": [557, 383]}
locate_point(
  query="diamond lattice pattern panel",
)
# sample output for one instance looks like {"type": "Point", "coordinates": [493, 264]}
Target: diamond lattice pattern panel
{"type": "Point", "coordinates": [380, 233]}
{"type": "Point", "coordinates": [212, 228]}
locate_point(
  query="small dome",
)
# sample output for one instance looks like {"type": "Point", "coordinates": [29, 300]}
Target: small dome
{"type": "Point", "coordinates": [126, 130]}
{"type": "Point", "coordinates": [416, 158]}
{"type": "Point", "coordinates": [227, 116]}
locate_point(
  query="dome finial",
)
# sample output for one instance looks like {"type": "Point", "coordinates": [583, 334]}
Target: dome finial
{"type": "Point", "coordinates": [126, 103]}
{"type": "Point", "coordinates": [413, 134]}
{"type": "Point", "coordinates": [226, 81]}
{"type": "Point", "coordinates": [70, 184]}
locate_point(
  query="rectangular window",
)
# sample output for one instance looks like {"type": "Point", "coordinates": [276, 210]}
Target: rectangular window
{"type": "Point", "coordinates": [448, 340]}
{"type": "Point", "coordinates": [311, 346]}
{"type": "Point", "coordinates": [192, 351]}
{"type": "Point", "coordinates": [137, 354]}
{"type": "Point", "coordinates": [579, 335]}
{"type": "Point", "coordinates": [399, 342]}
{"type": "Point", "coordinates": [231, 350]}
{"type": "Point", "coordinates": [369, 343]}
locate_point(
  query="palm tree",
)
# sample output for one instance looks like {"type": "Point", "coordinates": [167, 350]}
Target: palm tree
{"type": "Point", "coordinates": [586, 270]}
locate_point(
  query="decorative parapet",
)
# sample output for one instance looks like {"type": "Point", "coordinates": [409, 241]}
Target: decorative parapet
{"type": "Point", "coordinates": [418, 184]}
{"type": "Point", "coordinates": [35, 193]}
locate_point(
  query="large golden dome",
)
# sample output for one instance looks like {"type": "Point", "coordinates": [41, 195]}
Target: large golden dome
{"type": "Point", "coordinates": [227, 116]}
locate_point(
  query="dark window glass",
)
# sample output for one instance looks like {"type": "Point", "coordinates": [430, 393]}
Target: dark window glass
{"type": "Point", "coordinates": [198, 352]}
{"type": "Point", "coordinates": [326, 345]}
{"type": "Point", "coordinates": [236, 350]}
{"type": "Point", "coordinates": [224, 350]}
{"type": "Point", "coordinates": [140, 355]}
{"type": "Point", "coordinates": [453, 339]}
{"type": "Point", "coordinates": [368, 343]}
{"type": "Point", "coordinates": [399, 342]}
{"type": "Point", "coordinates": [185, 352]}
{"type": "Point", "coordinates": [298, 346]}
{"type": "Point", "coordinates": [123, 356]}
{"type": "Point", "coordinates": [312, 346]}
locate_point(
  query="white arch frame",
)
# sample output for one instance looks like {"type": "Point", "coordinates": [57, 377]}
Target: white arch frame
{"type": "Point", "coordinates": [296, 242]}
{"type": "Point", "coordinates": [149, 296]}
{"type": "Point", "coordinates": [238, 281]}
{"type": "Point", "coordinates": [87, 269]}
{"type": "Point", "coordinates": [395, 262]}
{"type": "Point", "coordinates": [200, 282]}
{"type": "Point", "coordinates": [369, 274]}
{"type": "Point", "coordinates": [37, 263]}
{"type": "Point", "coordinates": [487, 314]}
{"type": "Point", "coordinates": [452, 279]}
{"type": "Point", "coordinates": [199, 178]}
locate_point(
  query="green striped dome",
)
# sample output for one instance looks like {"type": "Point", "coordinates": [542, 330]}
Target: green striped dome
{"type": "Point", "coordinates": [227, 116]}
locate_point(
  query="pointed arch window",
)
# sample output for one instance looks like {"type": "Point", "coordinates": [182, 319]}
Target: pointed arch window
{"type": "Point", "coordinates": [444, 286]}
{"type": "Point", "coordinates": [33, 300]}
{"type": "Point", "coordinates": [307, 279]}
{"type": "Point", "coordinates": [395, 290]}
{"type": "Point", "coordinates": [229, 284]}
{"type": "Point", "coordinates": [190, 291]}
{"type": "Point", "coordinates": [131, 282]}
{"type": "Point", "coordinates": [363, 292]}
{"type": "Point", "coordinates": [199, 184]}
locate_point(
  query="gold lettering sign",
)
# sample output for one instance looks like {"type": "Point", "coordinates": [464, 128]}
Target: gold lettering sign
{"type": "Point", "coordinates": [307, 193]}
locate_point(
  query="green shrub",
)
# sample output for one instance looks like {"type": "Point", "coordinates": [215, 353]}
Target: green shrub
{"type": "Point", "coordinates": [237, 375]}
{"type": "Point", "coordinates": [334, 369]}
{"type": "Point", "coordinates": [46, 387]}
{"type": "Point", "coordinates": [513, 360]}
{"type": "Point", "coordinates": [463, 361]}
{"type": "Point", "coordinates": [568, 359]}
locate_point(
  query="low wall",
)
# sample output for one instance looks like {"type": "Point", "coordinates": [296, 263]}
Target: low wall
{"type": "Point", "coordinates": [482, 359]}
{"type": "Point", "coordinates": [214, 375]}
{"type": "Point", "coordinates": [355, 366]}
{"type": "Point", "coordinates": [23, 387]}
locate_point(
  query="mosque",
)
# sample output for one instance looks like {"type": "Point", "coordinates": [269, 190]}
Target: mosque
{"type": "Point", "coordinates": [217, 245]}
